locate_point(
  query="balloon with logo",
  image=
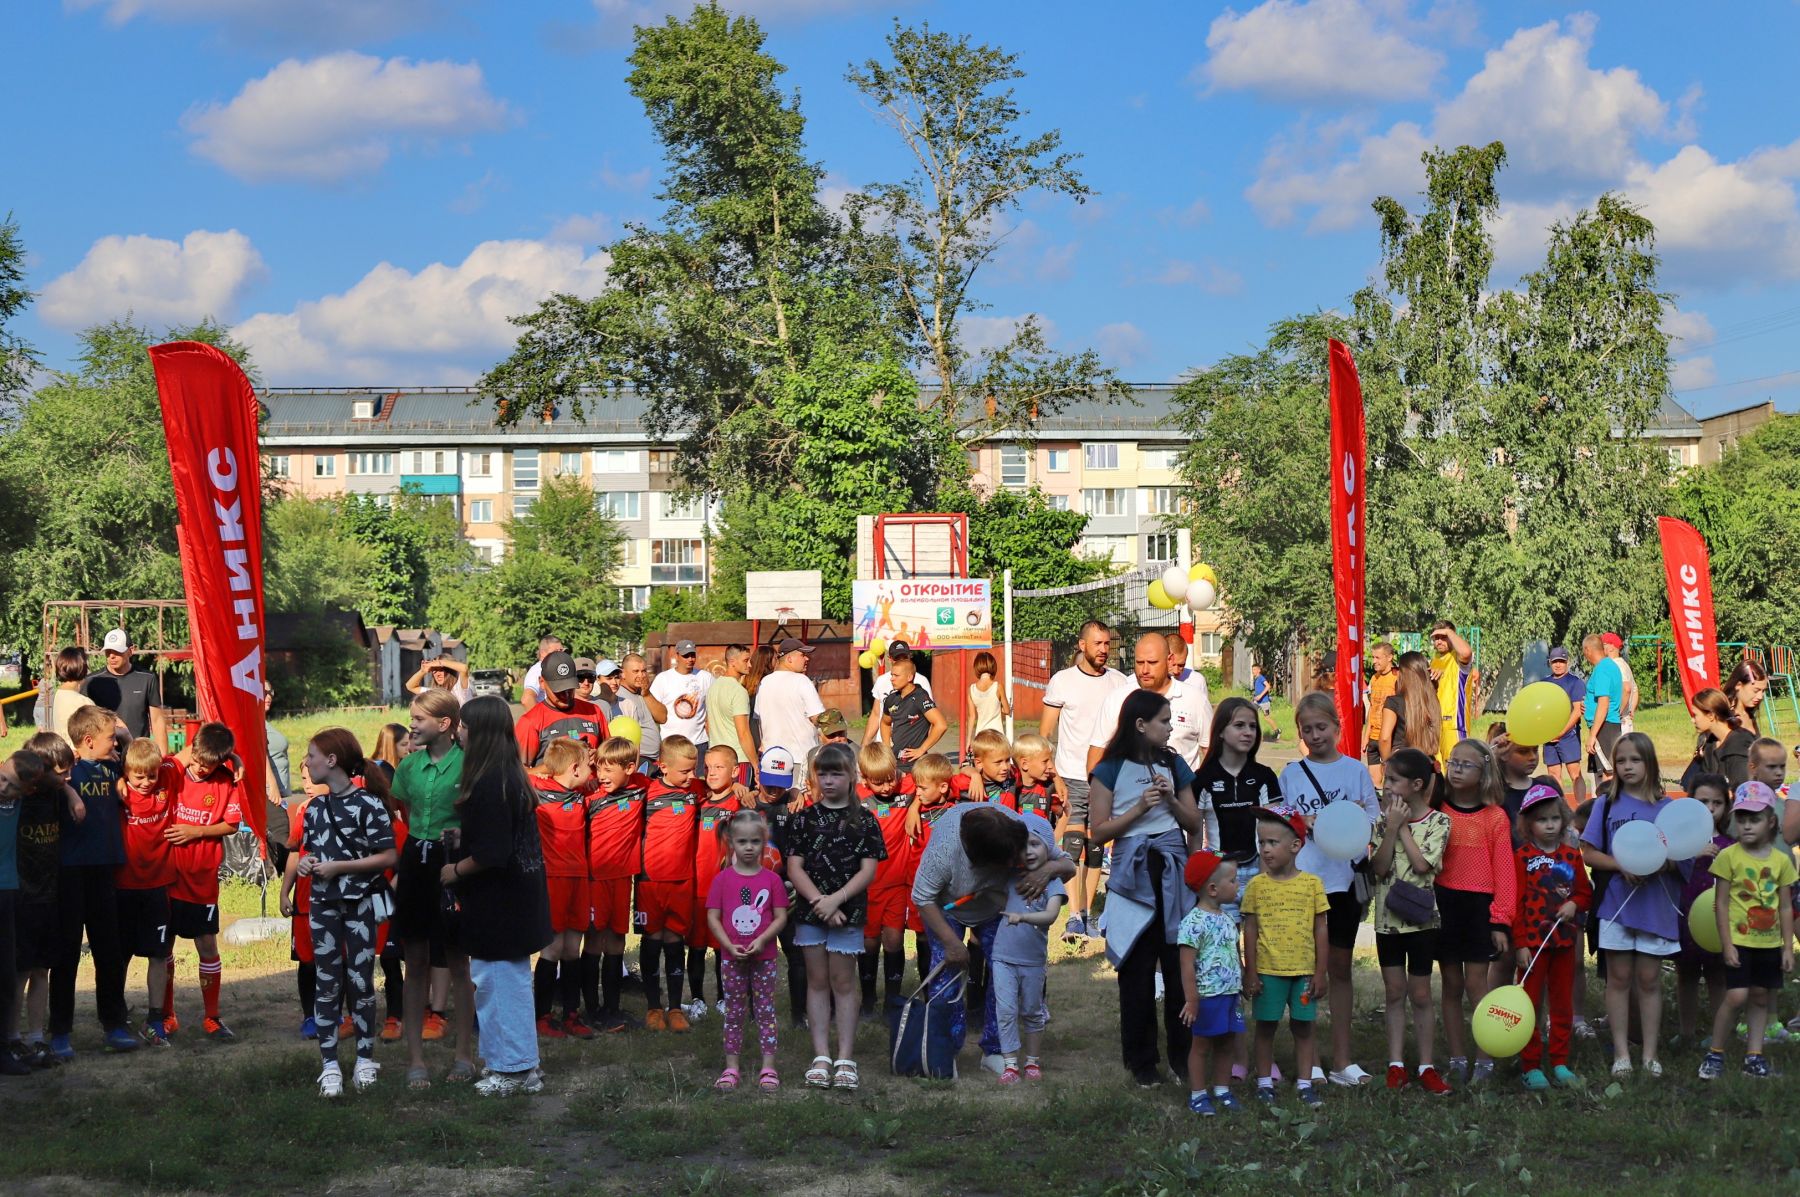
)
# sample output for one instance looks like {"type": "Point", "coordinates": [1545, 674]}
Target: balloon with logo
{"type": "Point", "coordinates": [1504, 1021]}
{"type": "Point", "coordinates": [1639, 848]}
{"type": "Point", "coordinates": [1175, 582]}
{"type": "Point", "coordinates": [1342, 830]}
{"type": "Point", "coordinates": [1159, 598]}
{"type": "Point", "coordinates": [626, 728]}
{"type": "Point", "coordinates": [868, 659]}
{"type": "Point", "coordinates": [1687, 827]}
{"type": "Point", "coordinates": [1538, 713]}
{"type": "Point", "coordinates": [1703, 923]}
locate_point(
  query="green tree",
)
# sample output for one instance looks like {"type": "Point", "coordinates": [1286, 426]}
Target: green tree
{"type": "Point", "coordinates": [501, 612]}
{"type": "Point", "coordinates": [312, 569]}
{"type": "Point", "coordinates": [17, 358]}
{"type": "Point", "coordinates": [953, 106]}
{"type": "Point", "coordinates": [565, 522]}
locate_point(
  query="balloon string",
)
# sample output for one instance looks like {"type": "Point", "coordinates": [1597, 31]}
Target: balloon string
{"type": "Point", "coordinates": [1548, 936]}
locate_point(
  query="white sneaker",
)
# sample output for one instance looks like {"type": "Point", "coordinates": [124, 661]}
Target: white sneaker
{"type": "Point", "coordinates": [1159, 986]}
{"type": "Point", "coordinates": [696, 1010]}
{"type": "Point", "coordinates": [994, 1064]}
{"type": "Point", "coordinates": [720, 1007]}
{"type": "Point", "coordinates": [533, 1082]}
{"type": "Point", "coordinates": [366, 1073]}
{"type": "Point", "coordinates": [331, 1081]}
{"type": "Point", "coordinates": [500, 1084]}
{"type": "Point", "coordinates": [1351, 1076]}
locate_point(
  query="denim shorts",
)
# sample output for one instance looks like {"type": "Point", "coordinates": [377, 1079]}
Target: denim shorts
{"type": "Point", "coordinates": [847, 940]}
{"type": "Point", "coordinates": [1617, 937]}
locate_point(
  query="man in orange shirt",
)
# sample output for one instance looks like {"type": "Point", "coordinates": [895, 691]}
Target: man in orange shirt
{"type": "Point", "coordinates": [1381, 688]}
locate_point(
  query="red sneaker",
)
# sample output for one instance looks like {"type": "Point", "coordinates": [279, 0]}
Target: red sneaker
{"type": "Point", "coordinates": [1397, 1077]}
{"type": "Point", "coordinates": [435, 1025]}
{"type": "Point", "coordinates": [575, 1027]}
{"type": "Point", "coordinates": [549, 1028]}
{"type": "Point", "coordinates": [1432, 1083]}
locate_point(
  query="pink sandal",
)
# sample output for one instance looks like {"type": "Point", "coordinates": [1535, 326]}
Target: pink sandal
{"type": "Point", "coordinates": [768, 1080]}
{"type": "Point", "coordinates": [728, 1080]}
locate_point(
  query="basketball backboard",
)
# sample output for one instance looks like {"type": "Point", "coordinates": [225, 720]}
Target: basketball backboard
{"type": "Point", "coordinates": [783, 595]}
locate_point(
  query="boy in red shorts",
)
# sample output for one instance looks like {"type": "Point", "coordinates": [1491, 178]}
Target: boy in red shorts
{"type": "Point", "coordinates": [723, 798]}
{"type": "Point", "coordinates": [142, 883]}
{"type": "Point", "coordinates": [208, 807]}
{"type": "Point", "coordinates": [888, 795]}
{"type": "Point", "coordinates": [665, 888]}
{"type": "Point", "coordinates": [615, 838]}
{"type": "Point", "coordinates": [562, 777]}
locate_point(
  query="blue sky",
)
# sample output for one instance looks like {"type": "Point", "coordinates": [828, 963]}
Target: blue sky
{"type": "Point", "coordinates": [366, 189]}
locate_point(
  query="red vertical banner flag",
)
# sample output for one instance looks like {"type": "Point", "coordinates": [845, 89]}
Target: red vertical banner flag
{"type": "Point", "coordinates": [210, 417]}
{"type": "Point", "coordinates": [1349, 450]}
{"type": "Point", "coordinates": [1690, 605]}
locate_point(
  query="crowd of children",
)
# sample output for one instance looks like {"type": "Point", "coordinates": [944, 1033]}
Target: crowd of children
{"type": "Point", "coordinates": [1476, 869]}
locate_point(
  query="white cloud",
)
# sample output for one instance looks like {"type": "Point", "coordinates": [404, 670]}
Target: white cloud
{"type": "Point", "coordinates": [1293, 178]}
{"type": "Point", "coordinates": [1693, 372]}
{"type": "Point", "coordinates": [982, 333]}
{"type": "Point", "coordinates": [1209, 276]}
{"type": "Point", "coordinates": [317, 22]}
{"type": "Point", "coordinates": [1688, 330]}
{"type": "Point", "coordinates": [326, 119]}
{"type": "Point", "coordinates": [154, 280]}
{"type": "Point", "coordinates": [585, 228]}
{"type": "Point", "coordinates": [1315, 49]}
{"type": "Point", "coordinates": [1723, 221]}
{"type": "Point", "coordinates": [621, 15]}
{"type": "Point", "coordinates": [441, 324]}
{"type": "Point", "coordinates": [1123, 345]}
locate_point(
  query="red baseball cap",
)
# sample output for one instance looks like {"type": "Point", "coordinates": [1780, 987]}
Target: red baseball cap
{"type": "Point", "coordinates": [1611, 640]}
{"type": "Point", "coordinates": [1292, 820]}
{"type": "Point", "coordinates": [1200, 868]}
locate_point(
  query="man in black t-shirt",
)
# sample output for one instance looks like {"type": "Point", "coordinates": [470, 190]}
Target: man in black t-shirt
{"type": "Point", "coordinates": [134, 695]}
{"type": "Point", "coordinates": [910, 720]}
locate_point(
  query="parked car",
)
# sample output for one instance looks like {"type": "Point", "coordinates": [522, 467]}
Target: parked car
{"type": "Point", "coordinates": [491, 681]}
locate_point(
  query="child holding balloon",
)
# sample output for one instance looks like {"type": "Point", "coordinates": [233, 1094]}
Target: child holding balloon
{"type": "Point", "coordinates": [1637, 896]}
{"type": "Point", "coordinates": [1753, 903]}
{"type": "Point", "coordinates": [1554, 895]}
{"type": "Point", "coordinates": [1699, 959]}
{"type": "Point", "coordinates": [1477, 895]}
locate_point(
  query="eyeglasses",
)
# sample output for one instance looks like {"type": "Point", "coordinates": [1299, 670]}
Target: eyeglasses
{"type": "Point", "coordinates": [1459, 766]}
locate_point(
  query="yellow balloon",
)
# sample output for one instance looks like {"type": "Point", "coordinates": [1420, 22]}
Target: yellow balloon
{"type": "Point", "coordinates": [878, 647]}
{"type": "Point", "coordinates": [1703, 923]}
{"type": "Point", "coordinates": [1203, 573]}
{"type": "Point", "coordinates": [867, 659]}
{"type": "Point", "coordinates": [1504, 1021]}
{"type": "Point", "coordinates": [626, 728]}
{"type": "Point", "coordinates": [1538, 714]}
{"type": "Point", "coordinates": [1159, 598]}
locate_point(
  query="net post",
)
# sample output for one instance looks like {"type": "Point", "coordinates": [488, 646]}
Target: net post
{"type": "Point", "coordinates": [1006, 624]}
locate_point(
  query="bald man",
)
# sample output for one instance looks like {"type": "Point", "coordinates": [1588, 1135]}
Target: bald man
{"type": "Point", "coordinates": [1190, 708]}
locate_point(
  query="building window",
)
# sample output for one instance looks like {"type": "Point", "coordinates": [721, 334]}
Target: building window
{"type": "Point", "coordinates": [481, 465]}
{"type": "Point", "coordinates": [1164, 500]}
{"type": "Point", "coordinates": [362, 409]}
{"type": "Point", "coordinates": [634, 599]}
{"type": "Point", "coordinates": [669, 506]}
{"type": "Point", "coordinates": [481, 511]}
{"type": "Point", "coordinates": [525, 469]}
{"type": "Point", "coordinates": [429, 461]}
{"type": "Point", "coordinates": [1159, 457]}
{"type": "Point", "coordinates": [615, 461]}
{"type": "Point", "coordinates": [568, 465]}
{"type": "Point", "coordinates": [1100, 457]}
{"type": "Point", "coordinates": [628, 554]}
{"type": "Point", "coordinates": [484, 554]}
{"type": "Point", "coordinates": [662, 461]}
{"type": "Point", "coordinates": [1210, 644]}
{"type": "Point", "coordinates": [618, 504]}
{"type": "Point", "coordinates": [676, 561]}
{"type": "Point", "coordinates": [1159, 549]}
{"type": "Point", "coordinates": [1056, 461]}
{"type": "Point", "coordinates": [325, 466]}
{"type": "Point", "coordinates": [975, 461]}
{"type": "Point", "coordinates": [1674, 458]}
{"type": "Point", "coordinates": [1110, 500]}
{"type": "Point", "coordinates": [385, 502]}
{"type": "Point", "coordinates": [1058, 502]}
{"type": "Point", "coordinates": [522, 505]}
{"type": "Point", "coordinates": [1116, 549]}
{"type": "Point", "coordinates": [371, 463]}
{"type": "Point", "coordinates": [1014, 467]}
{"type": "Point", "coordinates": [278, 466]}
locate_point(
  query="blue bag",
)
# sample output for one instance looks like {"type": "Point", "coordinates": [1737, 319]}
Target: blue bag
{"type": "Point", "coordinates": [920, 1043]}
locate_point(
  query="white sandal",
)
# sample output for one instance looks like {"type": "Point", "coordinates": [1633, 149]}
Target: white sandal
{"type": "Point", "coordinates": [819, 1075]}
{"type": "Point", "coordinates": [845, 1076]}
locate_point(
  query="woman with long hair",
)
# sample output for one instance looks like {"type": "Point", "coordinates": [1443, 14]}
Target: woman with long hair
{"type": "Point", "coordinates": [1744, 688]}
{"type": "Point", "coordinates": [1724, 742]}
{"type": "Point", "coordinates": [987, 697]}
{"type": "Point", "coordinates": [498, 878]}
{"type": "Point", "coordinates": [390, 746]}
{"type": "Point", "coordinates": [1409, 716]}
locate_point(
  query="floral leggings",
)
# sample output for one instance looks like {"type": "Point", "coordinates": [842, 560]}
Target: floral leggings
{"type": "Point", "coordinates": [749, 984]}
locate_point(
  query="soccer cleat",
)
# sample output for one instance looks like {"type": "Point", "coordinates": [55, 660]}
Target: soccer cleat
{"type": "Point", "coordinates": [1201, 1104]}
{"type": "Point", "coordinates": [1713, 1066]}
{"type": "Point", "coordinates": [678, 1021]}
{"type": "Point", "coordinates": [346, 1028]}
{"type": "Point", "coordinates": [218, 1032]}
{"type": "Point", "coordinates": [576, 1027]}
{"type": "Point", "coordinates": [390, 1030]}
{"type": "Point", "coordinates": [120, 1039]}
{"type": "Point", "coordinates": [612, 1024]}
{"type": "Point", "coordinates": [1075, 928]}
{"type": "Point", "coordinates": [171, 1024]}
{"type": "Point", "coordinates": [365, 1075]}
{"type": "Point", "coordinates": [549, 1028]}
{"type": "Point", "coordinates": [435, 1025]}
{"type": "Point", "coordinates": [1147, 1078]}
{"type": "Point", "coordinates": [1458, 1068]}
{"type": "Point", "coordinates": [1432, 1083]}
{"type": "Point", "coordinates": [655, 1020]}
{"type": "Point", "coordinates": [1397, 1077]}
{"type": "Point", "coordinates": [331, 1081]}
{"type": "Point", "coordinates": [1536, 1081]}
{"type": "Point", "coordinates": [153, 1034]}
{"type": "Point", "coordinates": [60, 1049]}
{"type": "Point", "coordinates": [309, 1028]}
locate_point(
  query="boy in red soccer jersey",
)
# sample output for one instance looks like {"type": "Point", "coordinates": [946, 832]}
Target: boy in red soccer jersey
{"type": "Point", "coordinates": [561, 715]}
{"type": "Point", "coordinates": [991, 777]}
{"type": "Point", "coordinates": [208, 807]}
{"type": "Point", "coordinates": [1038, 785]}
{"type": "Point", "coordinates": [562, 778]}
{"type": "Point", "coordinates": [615, 837]}
{"type": "Point", "coordinates": [665, 888]}
{"type": "Point", "coordinates": [889, 796]}
{"type": "Point", "coordinates": [723, 798]}
{"type": "Point", "coordinates": [142, 882]}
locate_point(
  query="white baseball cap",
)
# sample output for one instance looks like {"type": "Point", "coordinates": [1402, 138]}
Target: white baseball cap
{"type": "Point", "coordinates": [117, 641]}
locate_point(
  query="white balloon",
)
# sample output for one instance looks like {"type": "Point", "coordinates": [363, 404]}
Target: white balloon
{"type": "Point", "coordinates": [1640, 848]}
{"type": "Point", "coordinates": [1201, 594]}
{"type": "Point", "coordinates": [1687, 826]}
{"type": "Point", "coordinates": [1342, 830]}
{"type": "Point", "coordinates": [1175, 581]}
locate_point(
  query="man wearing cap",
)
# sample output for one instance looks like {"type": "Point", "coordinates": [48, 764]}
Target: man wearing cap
{"type": "Point", "coordinates": [833, 727]}
{"type": "Point", "coordinates": [1450, 669]}
{"type": "Point", "coordinates": [134, 695]}
{"type": "Point", "coordinates": [606, 687]}
{"type": "Point", "coordinates": [561, 716]}
{"type": "Point", "coordinates": [682, 689]}
{"type": "Point", "coordinates": [636, 702]}
{"type": "Point", "coordinates": [1562, 756]}
{"type": "Point", "coordinates": [442, 672]}
{"type": "Point", "coordinates": [728, 706]}
{"type": "Point", "coordinates": [532, 691]}
{"type": "Point", "coordinates": [883, 685]}
{"type": "Point", "coordinates": [1073, 703]}
{"type": "Point", "coordinates": [1614, 645]}
{"type": "Point", "coordinates": [788, 704]}
{"type": "Point", "coordinates": [585, 679]}
{"type": "Point", "coordinates": [1603, 706]}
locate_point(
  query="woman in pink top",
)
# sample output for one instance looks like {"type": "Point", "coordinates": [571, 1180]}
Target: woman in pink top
{"type": "Point", "coordinates": [1477, 893]}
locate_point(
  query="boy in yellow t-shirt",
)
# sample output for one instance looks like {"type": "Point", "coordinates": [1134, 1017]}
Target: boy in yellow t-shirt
{"type": "Point", "coordinates": [1284, 951]}
{"type": "Point", "coordinates": [1753, 901]}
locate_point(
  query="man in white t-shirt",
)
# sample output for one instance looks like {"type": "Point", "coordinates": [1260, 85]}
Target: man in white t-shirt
{"type": "Point", "coordinates": [682, 689]}
{"type": "Point", "coordinates": [1072, 706]}
{"type": "Point", "coordinates": [883, 685]}
{"type": "Point", "coordinates": [1190, 707]}
{"type": "Point", "coordinates": [788, 704]}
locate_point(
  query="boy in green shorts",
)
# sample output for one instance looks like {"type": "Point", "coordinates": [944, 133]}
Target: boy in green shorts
{"type": "Point", "coordinates": [1284, 951]}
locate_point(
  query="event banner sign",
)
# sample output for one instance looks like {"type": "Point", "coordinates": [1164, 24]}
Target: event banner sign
{"type": "Point", "coordinates": [1349, 449]}
{"type": "Point", "coordinates": [1690, 605]}
{"type": "Point", "coordinates": [210, 418]}
{"type": "Point", "coordinates": [927, 613]}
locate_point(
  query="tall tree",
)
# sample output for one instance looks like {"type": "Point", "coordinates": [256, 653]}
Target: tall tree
{"type": "Point", "coordinates": [566, 522]}
{"type": "Point", "coordinates": [17, 358]}
{"type": "Point", "coordinates": [952, 105]}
